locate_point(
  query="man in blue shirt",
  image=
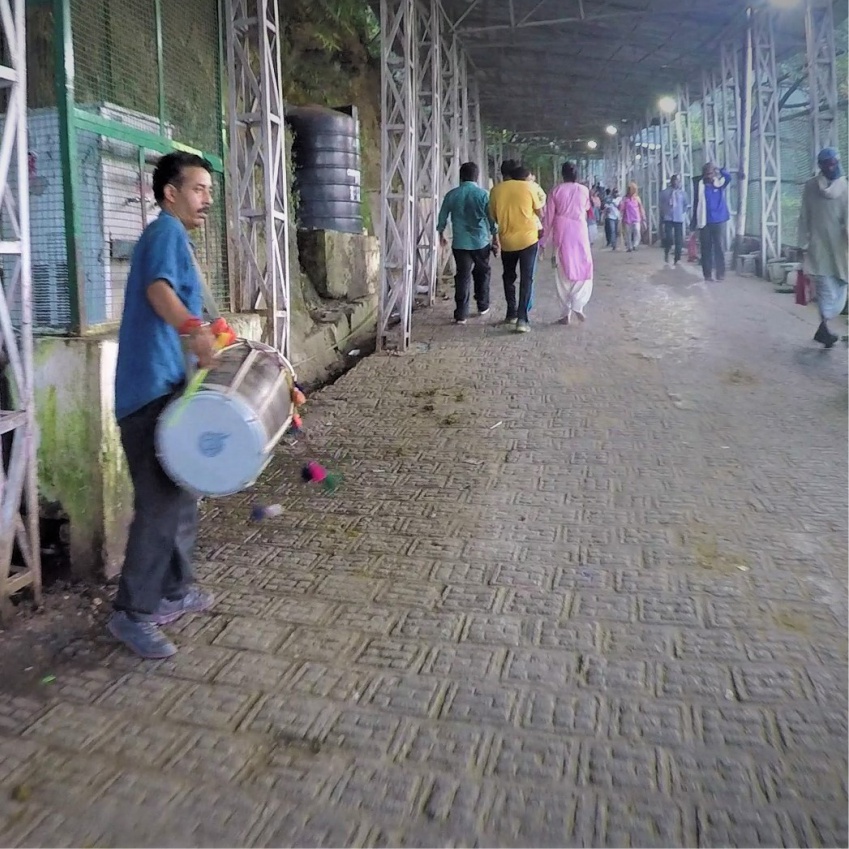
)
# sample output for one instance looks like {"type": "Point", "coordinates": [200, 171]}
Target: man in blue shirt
{"type": "Point", "coordinates": [474, 239]}
{"type": "Point", "coordinates": [673, 212]}
{"type": "Point", "coordinates": [710, 217]}
{"type": "Point", "coordinates": [162, 308]}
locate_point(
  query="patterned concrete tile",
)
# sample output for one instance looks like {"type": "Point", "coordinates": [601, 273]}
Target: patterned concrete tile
{"type": "Point", "coordinates": [585, 586]}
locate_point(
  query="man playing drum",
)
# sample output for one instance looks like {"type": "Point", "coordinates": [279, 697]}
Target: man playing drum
{"type": "Point", "coordinates": [162, 303]}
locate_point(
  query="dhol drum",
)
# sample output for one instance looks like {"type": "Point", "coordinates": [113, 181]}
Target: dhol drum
{"type": "Point", "coordinates": [218, 441]}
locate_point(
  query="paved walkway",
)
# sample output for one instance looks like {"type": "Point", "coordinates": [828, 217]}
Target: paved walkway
{"type": "Point", "coordinates": [581, 587]}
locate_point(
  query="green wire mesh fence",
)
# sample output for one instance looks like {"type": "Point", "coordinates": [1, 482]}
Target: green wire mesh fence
{"type": "Point", "coordinates": [146, 80]}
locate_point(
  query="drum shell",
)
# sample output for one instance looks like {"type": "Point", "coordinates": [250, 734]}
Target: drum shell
{"type": "Point", "coordinates": [258, 387]}
{"type": "Point", "coordinates": [218, 441]}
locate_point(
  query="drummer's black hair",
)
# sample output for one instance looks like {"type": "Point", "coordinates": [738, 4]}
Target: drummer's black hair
{"type": "Point", "coordinates": [170, 168]}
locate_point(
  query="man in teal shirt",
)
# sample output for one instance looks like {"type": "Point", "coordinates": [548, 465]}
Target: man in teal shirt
{"type": "Point", "coordinates": [475, 238]}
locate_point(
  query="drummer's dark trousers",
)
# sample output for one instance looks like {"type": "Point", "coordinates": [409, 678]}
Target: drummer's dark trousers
{"type": "Point", "coordinates": [158, 560]}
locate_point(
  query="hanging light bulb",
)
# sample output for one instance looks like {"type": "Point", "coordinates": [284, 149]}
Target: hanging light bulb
{"type": "Point", "coordinates": [667, 104]}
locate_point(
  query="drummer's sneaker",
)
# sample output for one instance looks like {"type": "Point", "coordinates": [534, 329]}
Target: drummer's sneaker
{"type": "Point", "coordinates": [195, 600]}
{"type": "Point", "coordinates": [141, 636]}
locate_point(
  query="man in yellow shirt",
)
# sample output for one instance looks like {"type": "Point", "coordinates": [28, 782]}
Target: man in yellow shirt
{"type": "Point", "coordinates": [539, 194]}
{"type": "Point", "coordinates": [516, 207]}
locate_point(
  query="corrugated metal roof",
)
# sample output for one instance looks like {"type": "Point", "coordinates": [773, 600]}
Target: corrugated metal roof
{"type": "Point", "coordinates": [567, 68]}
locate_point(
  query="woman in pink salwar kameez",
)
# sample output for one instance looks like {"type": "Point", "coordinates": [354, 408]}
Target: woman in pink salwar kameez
{"type": "Point", "coordinates": [565, 229]}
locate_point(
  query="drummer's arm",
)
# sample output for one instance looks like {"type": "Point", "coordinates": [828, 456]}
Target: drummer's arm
{"type": "Point", "coordinates": [172, 310]}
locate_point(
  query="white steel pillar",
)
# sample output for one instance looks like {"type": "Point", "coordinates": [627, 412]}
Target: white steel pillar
{"type": "Point", "coordinates": [429, 161]}
{"type": "Point", "coordinates": [822, 78]}
{"type": "Point", "coordinates": [766, 115]}
{"type": "Point", "coordinates": [685, 141]}
{"type": "Point", "coordinates": [450, 132]}
{"type": "Point", "coordinates": [653, 186]}
{"type": "Point", "coordinates": [620, 163]}
{"type": "Point", "coordinates": [667, 153]}
{"type": "Point", "coordinates": [728, 127]}
{"type": "Point", "coordinates": [18, 484]}
{"type": "Point", "coordinates": [610, 148]}
{"type": "Point", "coordinates": [710, 108]}
{"type": "Point", "coordinates": [477, 152]}
{"type": "Point", "coordinates": [398, 182]}
{"type": "Point", "coordinates": [463, 98]}
{"type": "Point", "coordinates": [259, 191]}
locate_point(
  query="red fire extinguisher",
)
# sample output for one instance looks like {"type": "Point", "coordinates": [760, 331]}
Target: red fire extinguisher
{"type": "Point", "coordinates": [693, 247]}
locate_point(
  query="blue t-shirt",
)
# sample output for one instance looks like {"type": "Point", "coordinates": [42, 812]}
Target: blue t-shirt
{"type": "Point", "coordinates": [150, 357]}
{"type": "Point", "coordinates": [716, 205]}
{"type": "Point", "coordinates": [472, 223]}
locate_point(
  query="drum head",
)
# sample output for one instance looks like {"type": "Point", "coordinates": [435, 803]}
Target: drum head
{"type": "Point", "coordinates": [213, 444]}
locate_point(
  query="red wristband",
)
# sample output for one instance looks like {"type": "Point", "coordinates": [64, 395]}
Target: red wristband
{"type": "Point", "coordinates": [189, 325]}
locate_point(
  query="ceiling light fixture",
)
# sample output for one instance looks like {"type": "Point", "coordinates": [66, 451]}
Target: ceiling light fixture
{"type": "Point", "coordinates": [667, 104]}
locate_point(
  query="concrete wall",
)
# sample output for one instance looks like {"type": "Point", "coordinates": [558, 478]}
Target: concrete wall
{"type": "Point", "coordinates": [81, 467]}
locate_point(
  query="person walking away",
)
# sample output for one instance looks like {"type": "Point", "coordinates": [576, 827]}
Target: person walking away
{"type": "Point", "coordinates": [539, 197]}
{"type": "Point", "coordinates": [710, 218]}
{"type": "Point", "coordinates": [824, 241]}
{"type": "Point", "coordinates": [611, 218]}
{"type": "Point", "coordinates": [595, 199]}
{"type": "Point", "coordinates": [633, 217]}
{"type": "Point", "coordinates": [673, 212]}
{"type": "Point", "coordinates": [516, 211]}
{"type": "Point", "coordinates": [592, 226]}
{"type": "Point", "coordinates": [474, 239]}
{"type": "Point", "coordinates": [162, 308]}
{"type": "Point", "coordinates": [565, 228]}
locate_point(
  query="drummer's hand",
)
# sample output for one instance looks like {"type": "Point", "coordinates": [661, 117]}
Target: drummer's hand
{"type": "Point", "coordinates": [202, 345]}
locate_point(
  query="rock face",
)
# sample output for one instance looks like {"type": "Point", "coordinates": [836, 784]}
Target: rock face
{"type": "Point", "coordinates": [341, 266]}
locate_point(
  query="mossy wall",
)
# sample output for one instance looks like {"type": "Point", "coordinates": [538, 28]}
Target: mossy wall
{"type": "Point", "coordinates": [81, 465]}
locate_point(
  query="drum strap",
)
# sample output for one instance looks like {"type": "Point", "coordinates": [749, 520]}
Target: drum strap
{"type": "Point", "coordinates": [206, 293]}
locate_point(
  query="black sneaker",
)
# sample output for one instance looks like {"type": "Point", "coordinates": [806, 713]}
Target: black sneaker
{"type": "Point", "coordinates": [825, 337]}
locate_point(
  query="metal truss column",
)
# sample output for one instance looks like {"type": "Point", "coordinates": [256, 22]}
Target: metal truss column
{"type": "Point", "coordinates": [463, 99]}
{"type": "Point", "coordinates": [822, 77]}
{"type": "Point", "coordinates": [667, 154]}
{"type": "Point", "coordinates": [477, 143]}
{"type": "Point", "coordinates": [631, 158]}
{"type": "Point", "coordinates": [728, 125]}
{"type": "Point", "coordinates": [766, 114]}
{"type": "Point", "coordinates": [258, 181]}
{"type": "Point", "coordinates": [710, 109]}
{"type": "Point", "coordinates": [398, 181]}
{"type": "Point", "coordinates": [622, 179]}
{"type": "Point", "coordinates": [428, 172]}
{"type": "Point", "coordinates": [450, 123]}
{"type": "Point", "coordinates": [685, 141]}
{"type": "Point", "coordinates": [18, 484]}
{"type": "Point", "coordinates": [609, 163]}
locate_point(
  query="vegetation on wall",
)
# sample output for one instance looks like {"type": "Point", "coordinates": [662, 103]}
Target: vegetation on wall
{"type": "Point", "coordinates": [331, 57]}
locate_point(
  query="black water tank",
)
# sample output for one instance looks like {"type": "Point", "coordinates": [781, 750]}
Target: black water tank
{"type": "Point", "coordinates": [326, 153]}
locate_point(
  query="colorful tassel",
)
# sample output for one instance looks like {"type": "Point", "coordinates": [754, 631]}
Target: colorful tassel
{"type": "Point", "coordinates": [314, 472]}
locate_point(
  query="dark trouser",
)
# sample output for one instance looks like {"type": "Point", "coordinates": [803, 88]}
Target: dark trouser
{"type": "Point", "coordinates": [471, 265]}
{"type": "Point", "coordinates": [712, 237]}
{"type": "Point", "coordinates": [158, 559]}
{"type": "Point", "coordinates": [673, 231]}
{"type": "Point", "coordinates": [526, 259]}
{"type": "Point", "coordinates": [611, 231]}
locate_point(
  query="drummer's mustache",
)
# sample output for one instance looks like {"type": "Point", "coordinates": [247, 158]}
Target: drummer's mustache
{"type": "Point", "coordinates": [203, 210]}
